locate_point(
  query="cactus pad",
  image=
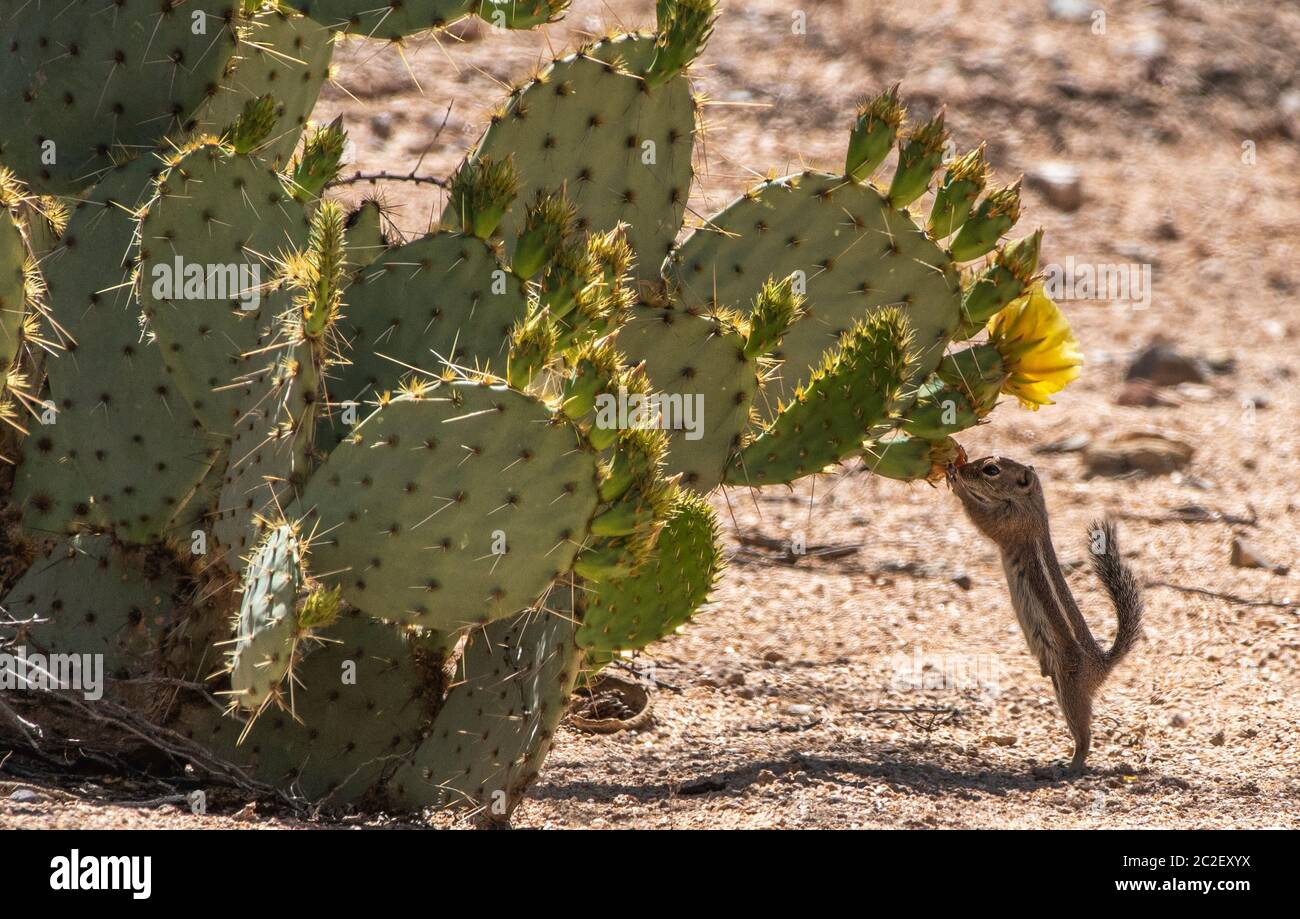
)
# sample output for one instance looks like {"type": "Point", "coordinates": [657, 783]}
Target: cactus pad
{"type": "Point", "coordinates": [270, 450]}
{"type": "Point", "coordinates": [441, 298]}
{"type": "Point", "coordinates": [456, 508]}
{"type": "Point", "coordinates": [703, 362]}
{"type": "Point", "coordinates": [216, 229]}
{"type": "Point", "coordinates": [283, 54]}
{"type": "Point", "coordinates": [856, 253]}
{"type": "Point", "coordinates": [266, 634]}
{"type": "Point", "coordinates": [846, 401]}
{"type": "Point", "coordinates": [359, 704]}
{"type": "Point", "coordinates": [104, 80]}
{"type": "Point", "coordinates": [90, 596]}
{"type": "Point", "coordinates": [626, 614]}
{"type": "Point", "coordinates": [385, 20]}
{"type": "Point", "coordinates": [493, 731]}
{"type": "Point", "coordinates": [123, 436]}
{"type": "Point", "coordinates": [622, 152]}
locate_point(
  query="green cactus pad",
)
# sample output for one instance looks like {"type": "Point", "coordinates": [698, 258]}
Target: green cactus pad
{"type": "Point", "coordinates": [846, 401]}
{"type": "Point", "coordinates": [385, 19]}
{"type": "Point", "coordinates": [13, 286]}
{"type": "Point", "coordinates": [104, 80]}
{"type": "Point", "coordinates": [285, 55]}
{"type": "Point", "coordinates": [495, 727]}
{"type": "Point", "coordinates": [227, 219]}
{"type": "Point", "coordinates": [626, 614]}
{"type": "Point", "coordinates": [270, 450]}
{"type": "Point", "coordinates": [585, 124]}
{"type": "Point", "coordinates": [939, 410]}
{"type": "Point", "coordinates": [441, 298]}
{"type": "Point", "coordinates": [359, 702]}
{"type": "Point", "coordinates": [125, 450]}
{"type": "Point", "coordinates": [521, 14]}
{"type": "Point", "coordinates": [366, 237]}
{"type": "Point", "coordinates": [267, 630]}
{"type": "Point", "coordinates": [93, 597]}
{"type": "Point", "coordinates": [700, 360]}
{"type": "Point", "coordinates": [857, 255]}
{"type": "Point", "coordinates": [406, 513]}
{"type": "Point", "coordinates": [910, 459]}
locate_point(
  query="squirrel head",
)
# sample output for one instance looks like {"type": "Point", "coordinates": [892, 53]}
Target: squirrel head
{"type": "Point", "coordinates": [1003, 498]}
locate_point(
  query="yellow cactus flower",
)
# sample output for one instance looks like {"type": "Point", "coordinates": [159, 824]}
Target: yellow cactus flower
{"type": "Point", "coordinates": [1039, 351]}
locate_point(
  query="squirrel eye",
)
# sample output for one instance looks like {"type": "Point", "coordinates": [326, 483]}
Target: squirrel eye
{"type": "Point", "coordinates": [991, 470]}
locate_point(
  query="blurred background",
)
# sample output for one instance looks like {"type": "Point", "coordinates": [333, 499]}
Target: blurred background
{"type": "Point", "coordinates": [880, 679]}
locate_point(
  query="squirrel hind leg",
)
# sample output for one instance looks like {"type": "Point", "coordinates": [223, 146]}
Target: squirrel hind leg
{"type": "Point", "coordinates": [1076, 705]}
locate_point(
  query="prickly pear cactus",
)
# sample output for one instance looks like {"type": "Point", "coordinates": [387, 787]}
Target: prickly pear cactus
{"type": "Point", "coordinates": [484, 500]}
{"type": "Point", "coordinates": [391, 498]}
{"type": "Point", "coordinates": [114, 412]}
{"type": "Point", "coordinates": [87, 84]}
{"type": "Point", "coordinates": [513, 684]}
{"type": "Point", "coordinates": [445, 297]}
{"type": "Point", "coordinates": [618, 142]}
{"type": "Point", "coordinates": [89, 596]}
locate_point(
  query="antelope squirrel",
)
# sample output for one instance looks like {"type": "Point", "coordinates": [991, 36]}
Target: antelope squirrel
{"type": "Point", "coordinates": [1004, 500]}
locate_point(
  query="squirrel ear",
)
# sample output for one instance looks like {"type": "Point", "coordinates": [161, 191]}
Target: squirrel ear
{"type": "Point", "coordinates": [1026, 477]}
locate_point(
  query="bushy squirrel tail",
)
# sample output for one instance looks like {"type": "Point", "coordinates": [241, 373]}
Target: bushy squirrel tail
{"type": "Point", "coordinates": [1120, 584]}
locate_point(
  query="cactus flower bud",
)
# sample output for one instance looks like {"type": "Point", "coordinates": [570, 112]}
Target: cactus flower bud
{"type": "Point", "coordinates": [318, 164]}
{"type": "Point", "coordinates": [918, 157]}
{"type": "Point", "coordinates": [548, 221]}
{"type": "Point", "coordinates": [961, 186]}
{"type": "Point", "coordinates": [776, 308]}
{"type": "Point", "coordinates": [874, 132]}
{"type": "Point", "coordinates": [482, 191]}
{"type": "Point", "coordinates": [993, 217]}
{"type": "Point", "coordinates": [253, 126]}
{"type": "Point", "coordinates": [684, 28]}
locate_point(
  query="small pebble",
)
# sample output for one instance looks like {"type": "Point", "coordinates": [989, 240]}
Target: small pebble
{"type": "Point", "coordinates": [1245, 555]}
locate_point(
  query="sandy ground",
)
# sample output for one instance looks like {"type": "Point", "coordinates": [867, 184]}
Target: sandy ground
{"type": "Point", "coordinates": [870, 688]}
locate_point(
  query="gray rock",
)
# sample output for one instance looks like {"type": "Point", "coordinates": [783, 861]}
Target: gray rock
{"type": "Point", "coordinates": [382, 125]}
{"type": "Point", "coordinates": [1163, 365]}
{"type": "Point", "coordinates": [1288, 105]}
{"type": "Point", "coordinates": [24, 796]}
{"type": "Point", "coordinates": [1060, 183]}
{"type": "Point", "coordinates": [1070, 10]}
{"type": "Point", "coordinates": [1137, 451]}
{"type": "Point", "coordinates": [1141, 394]}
